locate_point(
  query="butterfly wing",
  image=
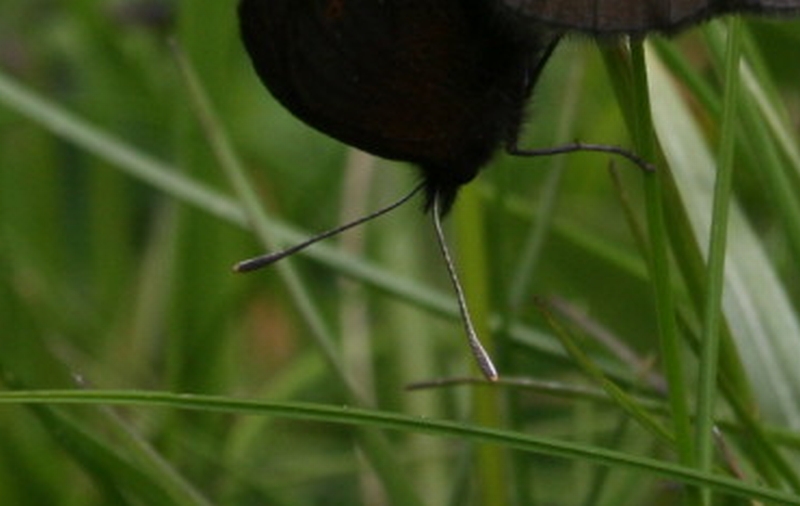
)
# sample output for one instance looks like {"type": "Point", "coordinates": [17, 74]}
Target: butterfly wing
{"type": "Point", "coordinates": [375, 75]}
{"type": "Point", "coordinates": [635, 17]}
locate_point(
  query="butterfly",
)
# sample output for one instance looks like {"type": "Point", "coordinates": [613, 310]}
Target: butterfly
{"type": "Point", "coordinates": [442, 84]}
{"type": "Point", "coordinates": [439, 83]}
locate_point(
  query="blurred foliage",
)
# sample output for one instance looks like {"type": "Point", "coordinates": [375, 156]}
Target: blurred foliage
{"type": "Point", "coordinates": [108, 281]}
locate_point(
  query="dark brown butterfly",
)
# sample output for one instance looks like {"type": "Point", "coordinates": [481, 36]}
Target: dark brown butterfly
{"type": "Point", "coordinates": [439, 83]}
{"type": "Point", "coordinates": [432, 82]}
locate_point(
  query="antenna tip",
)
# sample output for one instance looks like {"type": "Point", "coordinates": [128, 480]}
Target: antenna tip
{"type": "Point", "coordinates": [490, 372]}
{"type": "Point", "coordinates": [248, 265]}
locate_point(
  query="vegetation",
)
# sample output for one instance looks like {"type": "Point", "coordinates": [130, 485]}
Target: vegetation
{"type": "Point", "coordinates": [138, 369]}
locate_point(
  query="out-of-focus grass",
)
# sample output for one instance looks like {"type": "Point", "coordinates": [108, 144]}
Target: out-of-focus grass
{"type": "Point", "coordinates": [118, 229]}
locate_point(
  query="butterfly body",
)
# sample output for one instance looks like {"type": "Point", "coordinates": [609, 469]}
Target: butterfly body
{"type": "Point", "coordinates": [439, 83]}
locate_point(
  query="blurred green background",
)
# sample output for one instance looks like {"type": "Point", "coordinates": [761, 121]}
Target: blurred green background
{"type": "Point", "coordinates": [115, 274]}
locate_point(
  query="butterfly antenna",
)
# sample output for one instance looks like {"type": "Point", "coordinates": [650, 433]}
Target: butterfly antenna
{"type": "Point", "coordinates": [258, 262]}
{"type": "Point", "coordinates": [478, 351]}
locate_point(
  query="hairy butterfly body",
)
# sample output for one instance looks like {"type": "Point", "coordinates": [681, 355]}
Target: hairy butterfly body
{"type": "Point", "coordinates": [439, 83]}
